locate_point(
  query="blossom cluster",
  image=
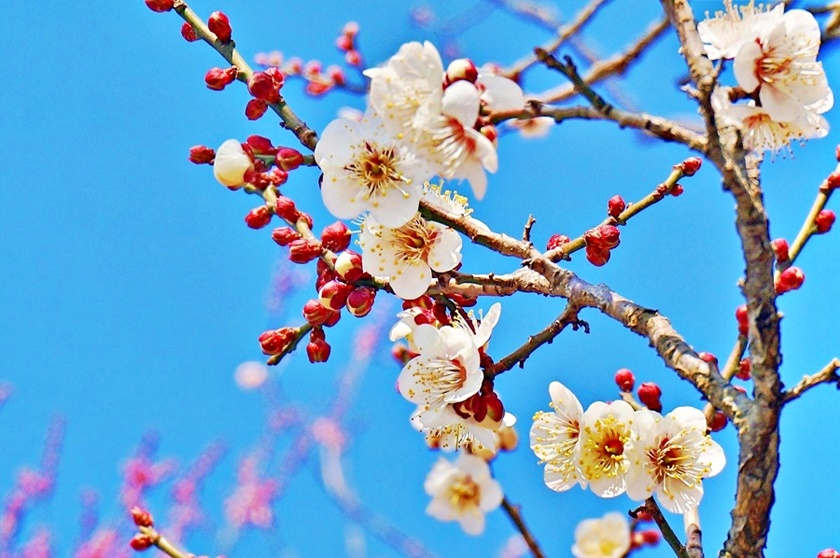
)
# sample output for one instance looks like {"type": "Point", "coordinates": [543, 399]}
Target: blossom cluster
{"type": "Point", "coordinates": [775, 63]}
{"type": "Point", "coordinates": [613, 449]}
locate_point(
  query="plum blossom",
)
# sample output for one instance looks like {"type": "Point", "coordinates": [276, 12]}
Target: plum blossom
{"type": "Point", "coordinates": [231, 164]}
{"type": "Point", "coordinates": [725, 33]}
{"type": "Point", "coordinates": [782, 64]}
{"type": "Point", "coordinates": [605, 439]}
{"type": "Point", "coordinates": [462, 491]}
{"type": "Point", "coordinates": [555, 436]}
{"type": "Point", "coordinates": [366, 169]}
{"type": "Point", "coordinates": [408, 254]}
{"type": "Point", "coordinates": [607, 537]}
{"type": "Point", "coordinates": [670, 456]}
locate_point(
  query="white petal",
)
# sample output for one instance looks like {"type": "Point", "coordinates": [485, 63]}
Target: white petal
{"type": "Point", "coordinates": [412, 282]}
{"type": "Point", "coordinates": [488, 322]}
{"type": "Point", "coordinates": [461, 101]}
{"type": "Point", "coordinates": [744, 66]}
{"type": "Point", "coordinates": [445, 253]}
{"type": "Point", "coordinates": [501, 93]}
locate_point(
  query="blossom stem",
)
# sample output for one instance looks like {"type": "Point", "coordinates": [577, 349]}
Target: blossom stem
{"type": "Point", "coordinates": [160, 541]}
{"type": "Point", "coordinates": [667, 533]}
{"type": "Point", "coordinates": [301, 331]}
{"type": "Point", "coordinates": [516, 517]}
{"type": "Point", "coordinates": [808, 228]}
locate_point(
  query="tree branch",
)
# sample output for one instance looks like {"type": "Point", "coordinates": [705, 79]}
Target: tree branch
{"type": "Point", "coordinates": [828, 375]}
{"type": "Point", "coordinates": [516, 518]}
{"type": "Point", "coordinates": [667, 533]}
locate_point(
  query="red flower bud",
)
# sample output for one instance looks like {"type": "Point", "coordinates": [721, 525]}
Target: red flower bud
{"type": "Point", "coordinates": [219, 78]}
{"type": "Point", "coordinates": [833, 179]}
{"type": "Point", "coordinates": [344, 43]}
{"type": "Point", "coordinates": [743, 319]}
{"type": "Point", "coordinates": [690, 166]}
{"type": "Point", "coordinates": [744, 369]}
{"type": "Point", "coordinates": [276, 176]}
{"type": "Point", "coordinates": [264, 87]}
{"type": "Point", "coordinates": [829, 552]}
{"type": "Point", "coordinates": [307, 218]}
{"type": "Point", "coordinates": [288, 159]}
{"type": "Point", "coordinates": [140, 542]}
{"type": "Point", "coordinates": [318, 351]}
{"type": "Point", "coordinates": [188, 32]}
{"type": "Point", "coordinates": [202, 155]}
{"type": "Point", "coordinates": [284, 235]}
{"type": "Point", "coordinates": [649, 394]}
{"type": "Point", "coordinates": [780, 249]}
{"type": "Point", "coordinates": [650, 536]}
{"type": "Point", "coordinates": [556, 240]}
{"type": "Point", "coordinates": [333, 294]}
{"type": "Point", "coordinates": [615, 206]}
{"type": "Point", "coordinates": [625, 380]}
{"type": "Point", "coordinates": [336, 74]}
{"type": "Point", "coordinates": [677, 190]}
{"type": "Point", "coordinates": [489, 131]}
{"type": "Point", "coordinates": [160, 5]}
{"type": "Point", "coordinates": [260, 145]}
{"type": "Point", "coordinates": [255, 109]}
{"type": "Point", "coordinates": [285, 209]}
{"type": "Point", "coordinates": [461, 69]}
{"type": "Point", "coordinates": [141, 517]}
{"type": "Point", "coordinates": [304, 250]}
{"type": "Point", "coordinates": [596, 256]}
{"type": "Point", "coordinates": [708, 357]}
{"type": "Point", "coordinates": [219, 24]}
{"type": "Point", "coordinates": [360, 301]}
{"type": "Point", "coordinates": [258, 217]}
{"type": "Point", "coordinates": [348, 266]}
{"type": "Point", "coordinates": [789, 280]}
{"type": "Point", "coordinates": [353, 58]}
{"type": "Point", "coordinates": [315, 312]}
{"type": "Point", "coordinates": [718, 422]}
{"type": "Point", "coordinates": [824, 220]}
{"type": "Point", "coordinates": [336, 237]}
{"type": "Point", "coordinates": [610, 236]}
{"type": "Point", "coordinates": [275, 341]}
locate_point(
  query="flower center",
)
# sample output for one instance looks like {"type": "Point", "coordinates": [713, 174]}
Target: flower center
{"type": "Point", "coordinates": [414, 240]}
{"type": "Point", "coordinates": [675, 459]}
{"type": "Point", "coordinates": [376, 168]}
{"type": "Point", "coordinates": [464, 494]}
{"type": "Point", "coordinates": [606, 448]}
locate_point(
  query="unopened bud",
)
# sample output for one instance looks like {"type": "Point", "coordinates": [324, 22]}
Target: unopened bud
{"type": "Point", "coordinates": [649, 394]}
{"type": "Point", "coordinates": [285, 209]}
{"type": "Point", "coordinates": [744, 369]}
{"type": "Point", "coordinates": [188, 32]}
{"type": "Point", "coordinates": [708, 357]}
{"type": "Point", "coordinates": [677, 190]}
{"type": "Point", "coordinates": [160, 5]}
{"type": "Point", "coordinates": [718, 422]}
{"type": "Point", "coordinates": [141, 517]}
{"type": "Point", "coordinates": [780, 249]}
{"type": "Point", "coordinates": [743, 319]}
{"type": "Point", "coordinates": [615, 206]}
{"type": "Point", "coordinates": [461, 69]}
{"type": "Point", "coordinates": [508, 438]}
{"type": "Point", "coordinates": [348, 266]}
{"type": "Point", "coordinates": [231, 164]}
{"type": "Point", "coordinates": [353, 58]}
{"type": "Point", "coordinates": [304, 250]}
{"type": "Point", "coordinates": [691, 165]}
{"type": "Point", "coordinates": [829, 552]}
{"type": "Point", "coordinates": [284, 235]}
{"type": "Point", "coordinates": [258, 217]}
{"type": "Point", "coordinates": [275, 341]}
{"type": "Point", "coordinates": [219, 24]}
{"type": "Point", "coordinates": [288, 159]}
{"type": "Point", "coordinates": [140, 542]}
{"type": "Point", "coordinates": [833, 180]}
{"type": "Point", "coordinates": [255, 109]}
{"type": "Point", "coordinates": [360, 301]}
{"type": "Point", "coordinates": [556, 241]}
{"type": "Point", "coordinates": [824, 220]}
{"type": "Point", "coordinates": [790, 280]}
{"type": "Point", "coordinates": [201, 155]}
{"type": "Point", "coordinates": [315, 313]}
{"type": "Point", "coordinates": [650, 536]}
{"type": "Point", "coordinates": [333, 294]}
{"type": "Point", "coordinates": [489, 131]}
{"type": "Point", "coordinates": [597, 256]}
{"type": "Point", "coordinates": [264, 87]}
{"type": "Point", "coordinates": [318, 351]}
{"type": "Point", "coordinates": [336, 237]}
{"type": "Point", "coordinates": [219, 78]}
{"type": "Point", "coordinates": [625, 380]}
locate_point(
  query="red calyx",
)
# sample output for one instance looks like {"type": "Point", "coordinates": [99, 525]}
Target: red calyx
{"type": "Point", "coordinates": [255, 109]}
{"type": "Point", "coordinates": [336, 237]}
{"type": "Point", "coordinates": [691, 165]}
{"type": "Point", "coordinates": [790, 280]}
{"type": "Point", "coordinates": [285, 209]}
{"type": "Point", "coordinates": [744, 369]}
{"type": "Point", "coordinates": [219, 24]}
{"type": "Point", "coordinates": [718, 422]}
{"type": "Point", "coordinates": [160, 5]}
{"type": "Point", "coordinates": [556, 241]}
{"type": "Point", "coordinates": [284, 235]}
{"type": "Point", "coordinates": [780, 249]}
{"type": "Point", "coordinates": [258, 217]}
{"type": "Point", "coordinates": [140, 542]}
{"type": "Point", "coordinates": [265, 87]}
{"type": "Point", "coordinates": [219, 78]}
{"type": "Point", "coordinates": [275, 341]}
{"type": "Point", "coordinates": [201, 155]}
{"type": "Point", "coordinates": [304, 250]}
{"type": "Point", "coordinates": [141, 517]}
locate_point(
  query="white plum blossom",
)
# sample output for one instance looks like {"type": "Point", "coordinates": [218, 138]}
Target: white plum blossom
{"type": "Point", "coordinates": [367, 169]}
{"type": "Point", "coordinates": [450, 431]}
{"type": "Point", "coordinates": [725, 34]}
{"type": "Point", "coordinates": [231, 163]}
{"type": "Point", "coordinates": [538, 127]}
{"type": "Point", "coordinates": [408, 254]}
{"type": "Point", "coordinates": [555, 436]}
{"type": "Point", "coordinates": [607, 537]}
{"type": "Point", "coordinates": [782, 64]}
{"type": "Point", "coordinates": [462, 491]}
{"type": "Point", "coordinates": [605, 439]}
{"type": "Point", "coordinates": [670, 456]}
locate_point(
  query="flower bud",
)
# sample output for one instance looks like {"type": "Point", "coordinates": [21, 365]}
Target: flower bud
{"type": "Point", "coordinates": [780, 249]}
{"type": "Point", "coordinates": [744, 369]}
{"type": "Point", "coordinates": [219, 78]}
{"type": "Point", "coordinates": [160, 5]}
{"type": "Point", "coordinates": [201, 155]}
{"type": "Point", "coordinates": [260, 145]}
{"type": "Point", "coordinates": [461, 69]}
{"type": "Point", "coordinates": [649, 394]}
{"type": "Point", "coordinates": [231, 164]}
{"type": "Point", "coordinates": [489, 131]}
{"type": "Point", "coordinates": [275, 341]}
{"type": "Point", "coordinates": [336, 237]}
{"type": "Point", "coordinates": [829, 552]}
{"type": "Point", "coordinates": [140, 542]}
{"type": "Point", "coordinates": [348, 266]}
{"type": "Point", "coordinates": [790, 280]}
{"type": "Point", "coordinates": [360, 301]}
{"type": "Point", "coordinates": [318, 350]}
{"type": "Point", "coordinates": [255, 109]}
{"type": "Point", "coordinates": [596, 256]}
{"type": "Point", "coordinates": [288, 159]}
{"type": "Point", "coordinates": [333, 294]}
{"type": "Point", "coordinates": [304, 250]}
{"type": "Point", "coordinates": [718, 422]}
{"type": "Point", "coordinates": [284, 235]}
{"type": "Point", "coordinates": [276, 176]}
{"type": "Point", "coordinates": [625, 380]}
{"type": "Point", "coordinates": [650, 536]}
{"type": "Point", "coordinates": [336, 74]}
{"type": "Point", "coordinates": [610, 236]}
{"type": "Point", "coordinates": [332, 318]}
{"type": "Point", "coordinates": [690, 166]}
{"type": "Point", "coordinates": [743, 319]}
{"type": "Point", "coordinates": [677, 190]}
{"type": "Point", "coordinates": [833, 179]}
{"type": "Point", "coordinates": [556, 241]}
{"type": "Point", "coordinates": [219, 24]}
{"type": "Point", "coordinates": [264, 87]}
{"type": "Point", "coordinates": [344, 42]}
{"type": "Point", "coordinates": [353, 58]}
{"type": "Point", "coordinates": [258, 217]}
{"type": "Point", "coordinates": [615, 206]}
{"type": "Point", "coordinates": [141, 517]}
{"type": "Point", "coordinates": [708, 357]}
{"type": "Point", "coordinates": [315, 313]}
{"type": "Point", "coordinates": [824, 220]}
{"type": "Point", "coordinates": [188, 32]}
{"type": "Point", "coordinates": [285, 209]}
{"type": "Point", "coordinates": [495, 408]}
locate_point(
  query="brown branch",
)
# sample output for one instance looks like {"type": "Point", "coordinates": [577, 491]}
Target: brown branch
{"type": "Point", "coordinates": [693, 534]}
{"type": "Point", "coordinates": [828, 375]}
{"type": "Point", "coordinates": [516, 517]}
{"type": "Point", "coordinates": [729, 369]}
{"type": "Point", "coordinates": [667, 533]}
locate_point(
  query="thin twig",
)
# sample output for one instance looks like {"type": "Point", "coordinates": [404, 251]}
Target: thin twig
{"type": "Point", "coordinates": [693, 534]}
{"type": "Point", "coordinates": [667, 533]}
{"type": "Point", "coordinates": [516, 518]}
{"type": "Point", "coordinates": [828, 375]}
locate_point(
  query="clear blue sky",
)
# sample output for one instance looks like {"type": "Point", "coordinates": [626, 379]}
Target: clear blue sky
{"type": "Point", "coordinates": [130, 288]}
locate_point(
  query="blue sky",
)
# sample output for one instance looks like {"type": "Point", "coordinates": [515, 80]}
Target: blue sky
{"type": "Point", "coordinates": [131, 289]}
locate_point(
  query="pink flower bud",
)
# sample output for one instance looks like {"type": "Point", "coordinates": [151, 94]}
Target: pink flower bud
{"type": "Point", "coordinates": [318, 351]}
{"type": "Point", "coordinates": [780, 249]}
{"type": "Point", "coordinates": [615, 206]}
{"type": "Point", "coordinates": [625, 380]}
{"type": "Point", "coordinates": [348, 266]}
{"type": "Point", "coordinates": [284, 235]}
{"type": "Point", "coordinates": [260, 145]}
{"type": "Point", "coordinates": [353, 58]}
{"type": "Point", "coordinates": [276, 176]}
{"type": "Point", "coordinates": [333, 294]}
{"type": "Point", "coordinates": [690, 166]}
{"type": "Point", "coordinates": [744, 369]}
{"type": "Point", "coordinates": [219, 78]}
{"type": "Point", "coordinates": [304, 250]}
{"type": "Point", "coordinates": [317, 88]}
{"type": "Point", "coordinates": [264, 87]}
{"type": "Point", "coordinates": [344, 43]}
{"type": "Point", "coordinates": [188, 32]}
{"type": "Point", "coordinates": [677, 190]}
{"type": "Point", "coordinates": [718, 422]}
{"type": "Point", "coordinates": [336, 74]}
{"type": "Point", "coordinates": [336, 237]}
{"type": "Point", "coordinates": [461, 69]}
{"type": "Point", "coordinates": [649, 394]}
{"type": "Point", "coordinates": [255, 109]}
{"type": "Point", "coordinates": [829, 552]}
{"type": "Point", "coordinates": [160, 5]}
{"type": "Point", "coordinates": [141, 517]}
{"type": "Point", "coordinates": [275, 341]}
{"type": "Point", "coordinates": [219, 24]}
{"type": "Point", "coordinates": [360, 301]}
{"type": "Point", "coordinates": [556, 241]}
{"type": "Point", "coordinates": [824, 220]}
{"type": "Point", "coordinates": [258, 217]}
{"type": "Point", "coordinates": [285, 209]}
{"type": "Point", "coordinates": [610, 236]}
{"type": "Point", "coordinates": [201, 155]}
{"type": "Point", "coordinates": [288, 159]}
{"type": "Point", "coordinates": [790, 280]}
{"type": "Point", "coordinates": [140, 542]}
